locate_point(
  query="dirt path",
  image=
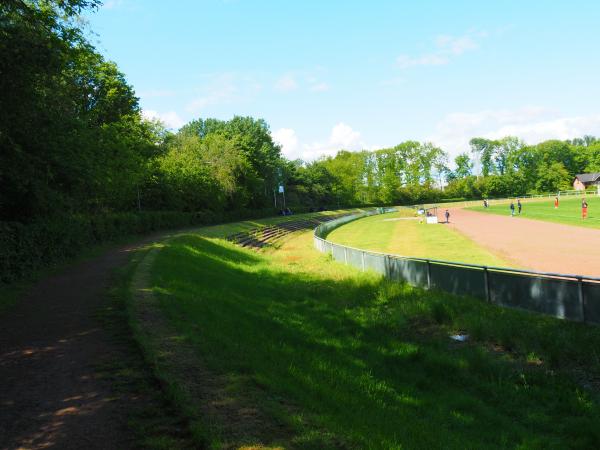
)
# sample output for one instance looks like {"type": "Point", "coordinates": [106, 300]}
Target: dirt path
{"type": "Point", "coordinates": [533, 244]}
{"type": "Point", "coordinates": [52, 346]}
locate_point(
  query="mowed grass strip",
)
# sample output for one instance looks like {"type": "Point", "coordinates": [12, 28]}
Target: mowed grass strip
{"type": "Point", "coordinates": [348, 360]}
{"type": "Point", "coordinates": [568, 211]}
{"type": "Point", "coordinates": [403, 234]}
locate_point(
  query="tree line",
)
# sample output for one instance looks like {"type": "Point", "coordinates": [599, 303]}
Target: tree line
{"type": "Point", "coordinates": [73, 141]}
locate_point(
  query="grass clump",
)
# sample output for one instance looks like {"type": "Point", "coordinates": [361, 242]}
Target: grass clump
{"type": "Point", "coordinates": [341, 359]}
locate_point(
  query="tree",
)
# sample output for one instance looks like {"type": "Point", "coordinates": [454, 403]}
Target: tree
{"type": "Point", "coordinates": [592, 158]}
{"type": "Point", "coordinates": [484, 149]}
{"type": "Point", "coordinates": [68, 118]}
{"type": "Point", "coordinates": [464, 166]}
{"type": "Point", "coordinates": [253, 138]}
{"type": "Point", "coordinates": [552, 177]}
{"type": "Point", "coordinates": [506, 151]}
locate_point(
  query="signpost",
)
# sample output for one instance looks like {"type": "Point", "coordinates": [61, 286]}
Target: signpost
{"type": "Point", "coordinates": [282, 192]}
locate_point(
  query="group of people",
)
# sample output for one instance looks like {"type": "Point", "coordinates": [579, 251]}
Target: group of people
{"type": "Point", "coordinates": [584, 206]}
{"type": "Point", "coordinates": [519, 208]}
{"type": "Point", "coordinates": [512, 207]}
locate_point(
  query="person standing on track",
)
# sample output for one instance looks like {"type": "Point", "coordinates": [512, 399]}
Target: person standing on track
{"type": "Point", "coordinates": [555, 202]}
{"type": "Point", "coordinates": [584, 207]}
{"type": "Point", "coordinates": [447, 214]}
{"type": "Point", "coordinates": [512, 208]}
{"type": "Point", "coordinates": [519, 205]}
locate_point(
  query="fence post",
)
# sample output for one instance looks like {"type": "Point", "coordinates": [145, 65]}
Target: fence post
{"type": "Point", "coordinates": [486, 280]}
{"type": "Point", "coordinates": [362, 260]}
{"type": "Point", "coordinates": [428, 274]}
{"type": "Point", "coordinates": [581, 299]}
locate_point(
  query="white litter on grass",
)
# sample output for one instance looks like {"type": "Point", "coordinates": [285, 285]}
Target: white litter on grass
{"type": "Point", "coordinates": [460, 337]}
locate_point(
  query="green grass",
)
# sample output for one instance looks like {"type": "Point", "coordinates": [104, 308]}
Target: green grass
{"type": "Point", "coordinates": [568, 212]}
{"type": "Point", "coordinates": [409, 237]}
{"type": "Point", "coordinates": [11, 294]}
{"type": "Point", "coordinates": [154, 420]}
{"type": "Point", "coordinates": [347, 360]}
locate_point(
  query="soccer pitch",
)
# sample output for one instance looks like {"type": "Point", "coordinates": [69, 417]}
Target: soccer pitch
{"type": "Point", "coordinates": [403, 234]}
{"type": "Point", "coordinates": [568, 211]}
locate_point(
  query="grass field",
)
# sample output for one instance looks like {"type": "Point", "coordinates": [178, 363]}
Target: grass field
{"type": "Point", "coordinates": [408, 237]}
{"type": "Point", "coordinates": [568, 212]}
{"type": "Point", "coordinates": [341, 359]}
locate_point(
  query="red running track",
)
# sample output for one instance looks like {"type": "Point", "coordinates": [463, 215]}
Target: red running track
{"type": "Point", "coordinates": [533, 244]}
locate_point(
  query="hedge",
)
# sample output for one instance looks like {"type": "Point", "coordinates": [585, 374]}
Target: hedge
{"type": "Point", "coordinates": [26, 248]}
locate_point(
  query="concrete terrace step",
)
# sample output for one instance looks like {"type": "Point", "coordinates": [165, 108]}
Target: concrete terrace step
{"type": "Point", "coordinates": [260, 237]}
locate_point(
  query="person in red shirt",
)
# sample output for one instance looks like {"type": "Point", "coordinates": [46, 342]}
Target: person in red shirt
{"type": "Point", "coordinates": [555, 202]}
{"type": "Point", "coordinates": [584, 207]}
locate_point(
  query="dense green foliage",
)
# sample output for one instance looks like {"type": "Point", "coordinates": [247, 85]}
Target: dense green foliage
{"type": "Point", "coordinates": [29, 247]}
{"type": "Point", "coordinates": [71, 133]}
{"type": "Point", "coordinates": [74, 141]}
{"type": "Point", "coordinates": [412, 172]}
{"type": "Point", "coordinates": [348, 360]}
{"type": "Point", "coordinates": [511, 168]}
{"type": "Point", "coordinates": [73, 144]}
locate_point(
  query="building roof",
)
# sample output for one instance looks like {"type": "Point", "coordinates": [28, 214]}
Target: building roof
{"type": "Point", "coordinates": [588, 177]}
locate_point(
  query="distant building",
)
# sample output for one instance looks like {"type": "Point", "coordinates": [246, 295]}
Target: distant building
{"type": "Point", "coordinates": [585, 180]}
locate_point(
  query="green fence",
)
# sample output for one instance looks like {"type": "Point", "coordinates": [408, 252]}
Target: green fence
{"type": "Point", "coordinates": [572, 297]}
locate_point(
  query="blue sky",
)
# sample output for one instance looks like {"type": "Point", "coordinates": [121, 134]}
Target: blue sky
{"type": "Point", "coordinates": [327, 75]}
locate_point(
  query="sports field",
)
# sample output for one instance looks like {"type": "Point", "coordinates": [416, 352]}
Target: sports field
{"type": "Point", "coordinates": [403, 234]}
{"type": "Point", "coordinates": [568, 211]}
{"type": "Point", "coordinates": [286, 349]}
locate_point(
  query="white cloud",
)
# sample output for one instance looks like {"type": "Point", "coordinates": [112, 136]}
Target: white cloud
{"type": "Point", "coordinates": [446, 48]}
{"type": "Point", "coordinates": [341, 137]}
{"type": "Point", "coordinates": [305, 80]}
{"type": "Point", "coordinates": [319, 87]}
{"type": "Point", "coordinates": [171, 119]}
{"type": "Point", "coordinates": [532, 124]}
{"type": "Point", "coordinates": [560, 128]}
{"type": "Point", "coordinates": [405, 61]}
{"type": "Point", "coordinates": [224, 89]}
{"type": "Point", "coordinates": [286, 137]}
{"type": "Point", "coordinates": [221, 88]}
{"type": "Point", "coordinates": [456, 45]}
{"type": "Point", "coordinates": [286, 83]}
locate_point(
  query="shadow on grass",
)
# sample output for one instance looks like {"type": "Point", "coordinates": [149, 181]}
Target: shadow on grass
{"type": "Point", "coordinates": [368, 363]}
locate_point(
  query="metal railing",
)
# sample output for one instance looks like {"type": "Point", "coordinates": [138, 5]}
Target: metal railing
{"type": "Point", "coordinates": [566, 296]}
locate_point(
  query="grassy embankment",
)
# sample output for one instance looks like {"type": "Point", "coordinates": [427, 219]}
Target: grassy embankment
{"type": "Point", "coordinates": [334, 358]}
{"type": "Point", "coordinates": [408, 237]}
{"type": "Point", "coordinates": [568, 212]}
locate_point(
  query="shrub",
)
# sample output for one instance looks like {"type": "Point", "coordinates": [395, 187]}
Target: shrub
{"type": "Point", "coordinates": [26, 248]}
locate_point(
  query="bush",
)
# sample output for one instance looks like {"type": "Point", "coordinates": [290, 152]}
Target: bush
{"type": "Point", "coordinates": [26, 248]}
